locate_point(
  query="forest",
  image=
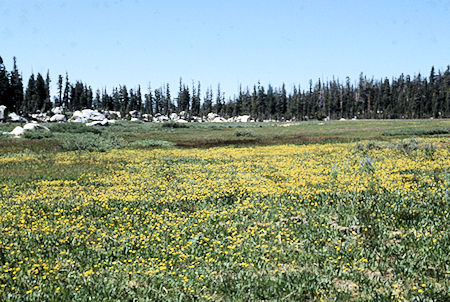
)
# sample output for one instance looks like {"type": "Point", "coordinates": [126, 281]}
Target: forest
{"type": "Point", "coordinates": [405, 96]}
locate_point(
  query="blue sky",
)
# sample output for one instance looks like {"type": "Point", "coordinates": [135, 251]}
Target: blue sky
{"type": "Point", "coordinates": [107, 43]}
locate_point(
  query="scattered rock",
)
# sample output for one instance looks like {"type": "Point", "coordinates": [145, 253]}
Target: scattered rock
{"type": "Point", "coordinates": [3, 112]}
{"type": "Point", "coordinates": [34, 126]}
{"type": "Point", "coordinates": [112, 115]}
{"type": "Point", "coordinates": [135, 114]}
{"type": "Point", "coordinates": [57, 110]}
{"type": "Point", "coordinates": [211, 116]}
{"type": "Point", "coordinates": [218, 119]}
{"type": "Point", "coordinates": [160, 118]}
{"type": "Point", "coordinates": [243, 119]}
{"type": "Point", "coordinates": [174, 116]}
{"type": "Point", "coordinates": [58, 118]}
{"type": "Point", "coordinates": [13, 117]}
{"type": "Point", "coordinates": [183, 115]}
{"type": "Point", "coordinates": [104, 122]}
{"type": "Point", "coordinates": [18, 131]}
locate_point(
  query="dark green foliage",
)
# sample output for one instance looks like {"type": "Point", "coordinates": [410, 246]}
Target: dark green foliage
{"type": "Point", "coordinates": [174, 125]}
{"type": "Point", "coordinates": [402, 97]}
{"type": "Point", "coordinates": [38, 134]}
{"type": "Point", "coordinates": [244, 132]}
{"type": "Point", "coordinates": [150, 143]}
{"type": "Point", "coordinates": [418, 132]}
{"type": "Point", "coordinates": [90, 142]}
{"type": "Point", "coordinates": [74, 128]}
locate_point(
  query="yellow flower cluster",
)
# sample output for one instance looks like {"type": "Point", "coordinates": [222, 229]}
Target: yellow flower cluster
{"type": "Point", "coordinates": [202, 218]}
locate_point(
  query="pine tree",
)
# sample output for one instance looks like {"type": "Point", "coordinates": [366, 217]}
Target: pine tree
{"type": "Point", "coordinates": [60, 91]}
{"type": "Point", "coordinates": [207, 102]}
{"type": "Point", "coordinates": [17, 97]}
{"type": "Point", "coordinates": [139, 99]}
{"type": "Point", "coordinates": [219, 101]}
{"type": "Point", "coordinates": [167, 102]}
{"type": "Point", "coordinates": [67, 93]}
{"type": "Point", "coordinates": [41, 94]}
{"type": "Point", "coordinates": [125, 101]}
{"type": "Point", "coordinates": [5, 88]}
{"type": "Point", "coordinates": [29, 94]}
{"type": "Point", "coordinates": [149, 102]}
{"type": "Point", "coordinates": [195, 100]}
{"type": "Point", "coordinates": [97, 102]}
{"type": "Point", "coordinates": [158, 101]}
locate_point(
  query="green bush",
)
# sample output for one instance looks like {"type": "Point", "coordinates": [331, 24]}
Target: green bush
{"type": "Point", "coordinates": [174, 125]}
{"type": "Point", "coordinates": [74, 128]}
{"type": "Point", "coordinates": [418, 132]}
{"type": "Point", "coordinates": [408, 145]}
{"type": "Point", "coordinates": [372, 145]}
{"type": "Point", "coordinates": [90, 142]}
{"type": "Point", "coordinates": [38, 134]}
{"type": "Point", "coordinates": [243, 132]}
{"type": "Point", "coordinates": [146, 143]}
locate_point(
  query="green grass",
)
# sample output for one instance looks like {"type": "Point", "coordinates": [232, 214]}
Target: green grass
{"type": "Point", "coordinates": [310, 218]}
{"type": "Point", "coordinates": [205, 135]}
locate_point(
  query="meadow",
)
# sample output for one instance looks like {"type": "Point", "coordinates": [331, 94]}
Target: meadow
{"type": "Point", "coordinates": [347, 211]}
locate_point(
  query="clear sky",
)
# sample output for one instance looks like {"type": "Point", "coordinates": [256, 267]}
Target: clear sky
{"type": "Point", "coordinates": [107, 43]}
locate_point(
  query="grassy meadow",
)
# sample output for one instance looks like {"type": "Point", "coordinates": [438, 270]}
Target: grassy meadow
{"type": "Point", "coordinates": [315, 211]}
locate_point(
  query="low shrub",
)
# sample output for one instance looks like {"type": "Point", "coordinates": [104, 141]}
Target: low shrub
{"type": "Point", "coordinates": [418, 132]}
{"type": "Point", "coordinates": [146, 143]}
{"type": "Point", "coordinates": [90, 142]}
{"type": "Point", "coordinates": [372, 145]}
{"type": "Point", "coordinates": [408, 145]}
{"type": "Point", "coordinates": [243, 132]}
{"type": "Point", "coordinates": [74, 128]}
{"type": "Point", "coordinates": [38, 134]}
{"type": "Point", "coordinates": [174, 125]}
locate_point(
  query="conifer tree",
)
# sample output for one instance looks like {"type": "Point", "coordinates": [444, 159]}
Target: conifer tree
{"type": "Point", "coordinates": [5, 89]}
{"type": "Point", "coordinates": [17, 97]}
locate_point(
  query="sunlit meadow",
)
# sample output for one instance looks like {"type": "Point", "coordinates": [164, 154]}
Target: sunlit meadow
{"type": "Point", "coordinates": [346, 221]}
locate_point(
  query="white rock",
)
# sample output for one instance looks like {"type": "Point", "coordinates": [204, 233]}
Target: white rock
{"type": "Point", "coordinates": [18, 131]}
{"type": "Point", "coordinates": [57, 110]}
{"type": "Point", "coordinates": [3, 112]}
{"type": "Point", "coordinates": [78, 120]}
{"type": "Point", "coordinates": [134, 119]}
{"type": "Point", "coordinates": [196, 119]}
{"type": "Point", "coordinates": [211, 116]}
{"type": "Point", "coordinates": [183, 115]}
{"type": "Point", "coordinates": [77, 114]}
{"type": "Point", "coordinates": [104, 122]}
{"type": "Point", "coordinates": [342, 119]}
{"type": "Point", "coordinates": [354, 119]}
{"type": "Point", "coordinates": [33, 126]}
{"type": "Point", "coordinates": [147, 117]}
{"type": "Point", "coordinates": [17, 118]}
{"type": "Point", "coordinates": [243, 119]}
{"type": "Point", "coordinates": [160, 119]}
{"type": "Point", "coordinates": [181, 121]}
{"type": "Point", "coordinates": [218, 119]}
{"type": "Point", "coordinates": [135, 113]}
{"type": "Point", "coordinates": [93, 115]}
{"type": "Point", "coordinates": [58, 118]}
{"type": "Point", "coordinates": [173, 116]}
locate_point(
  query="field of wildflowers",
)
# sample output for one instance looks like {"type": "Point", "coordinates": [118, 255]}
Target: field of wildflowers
{"type": "Point", "coordinates": [345, 221]}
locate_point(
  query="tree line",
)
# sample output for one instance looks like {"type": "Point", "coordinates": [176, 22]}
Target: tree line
{"type": "Point", "coordinates": [402, 97]}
